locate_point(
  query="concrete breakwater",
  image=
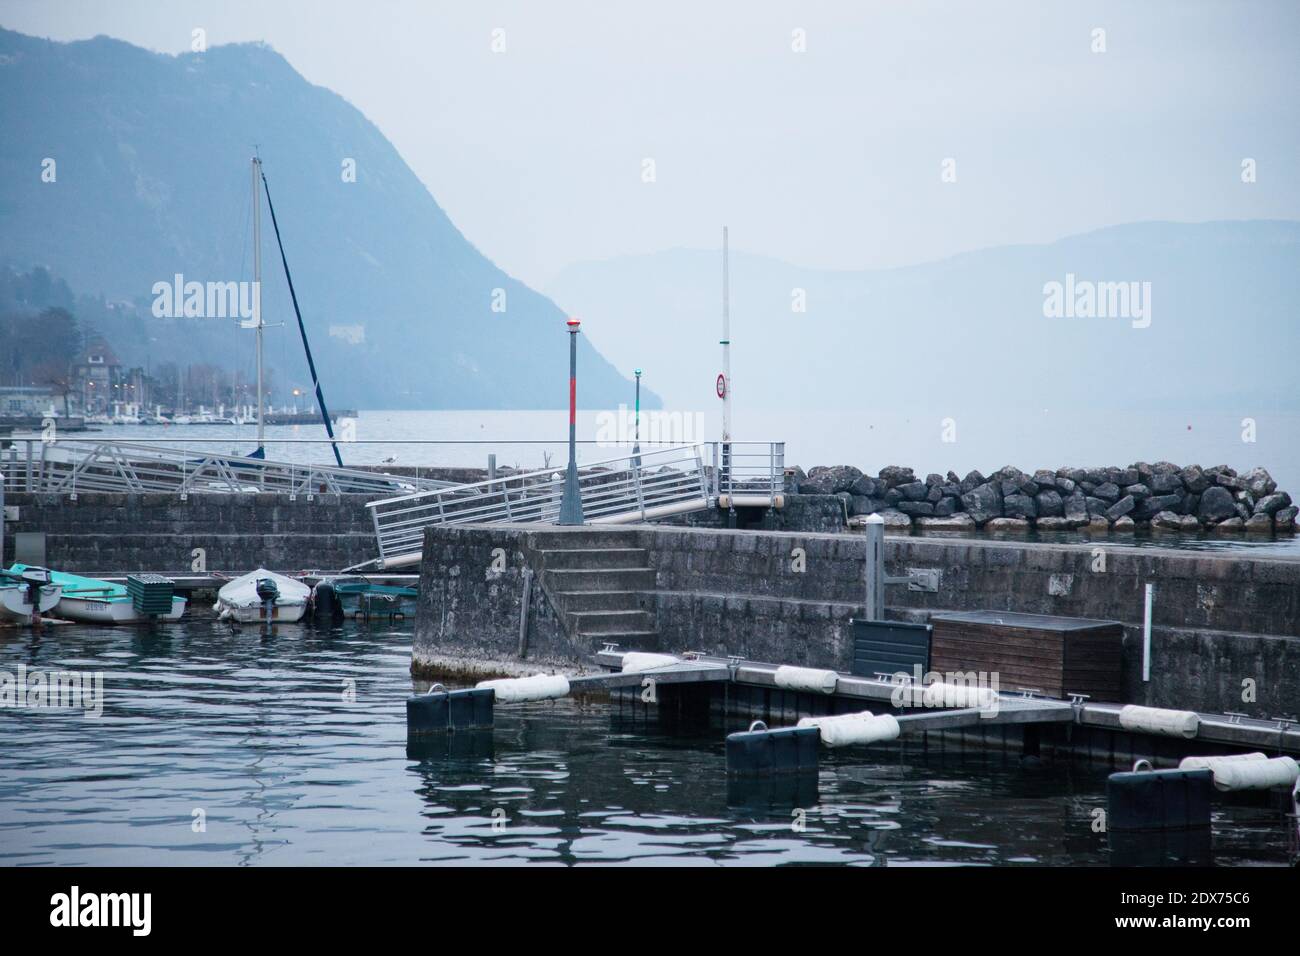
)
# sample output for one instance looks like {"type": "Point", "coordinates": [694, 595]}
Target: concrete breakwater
{"type": "Point", "coordinates": [1225, 635]}
{"type": "Point", "coordinates": [1162, 496]}
{"type": "Point", "coordinates": [100, 531]}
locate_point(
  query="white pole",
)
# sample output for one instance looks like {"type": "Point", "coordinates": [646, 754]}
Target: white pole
{"type": "Point", "coordinates": [1146, 633]}
{"type": "Point", "coordinates": [726, 343]}
{"type": "Point", "coordinates": [257, 296]}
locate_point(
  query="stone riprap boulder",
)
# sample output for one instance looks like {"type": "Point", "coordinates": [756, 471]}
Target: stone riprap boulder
{"type": "Point", "coordinates": [1143, 496]}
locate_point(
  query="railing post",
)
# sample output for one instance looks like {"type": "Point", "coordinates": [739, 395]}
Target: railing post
{"type": "Point", "coordinates": [771, 474]}
{"type": "Point", "coordinates": [379, 538]}
{"type": "Point", "coordinates": [29, 465]}
{"type": "Point", "coordinates": [636, 483]}
{"type": "Point", "coordinates": [717, 490]}
{"type": "Point", "coordinates": [704, 478]}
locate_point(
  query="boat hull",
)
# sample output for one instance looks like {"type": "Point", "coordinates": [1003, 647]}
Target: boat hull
{"type": "Point", "coordinates": [241, 600]}
{"type": "Point", "coordinates": [280, 613]}
{"type": "Point", "coordinates": [96, 611]}
{"type": "Point", "coordinates": [15, 608]}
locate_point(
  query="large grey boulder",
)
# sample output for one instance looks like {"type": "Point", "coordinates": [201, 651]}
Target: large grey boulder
{"type": "Point", "coordinates": [819, 481]}
{"type": "Point", "coordinates": [865, 505]}
{"type": "Point", "coordinates": [1285, 520]}
{"type": "Point", "coordinates": [1233, 525]}
{"type": "Point", "coordinates": [983, 502]}
{"type": "Point", "coordinates": [1138, 491]}
{"type": "Point", "coordinates": [867, 487]}
{"type": "Point", "coordinates": [972, 481]}
{"type": "Point", "coordinates": [1194, 479]}
{"type": "Point", "coordinates": [913, 490]}
{"type": "Point", "coordinates": [1216, 505]}
{"type": "Point", "coordinates": [1231, 482]}
{"type": "Point", "coordinates": [1049, 504]}
{"type": "Point", "coordinates": [895, 475]}
{"type": "Point", "coordinates": [1109, 491]}
{"type": "Point", "coordinates": [916, 508]}
{"type": "Point", "coordinates": [1259, 524]}
{"type": "Point", "coordinates": [1123, 476]}
{"type": "Point", "coordinates": [1272, 504]}
{"type": "Point", "coordinates": [1259, 482]}
{"type": "Point", "coordinates": [1166, 482]}
{"type": "Point", "coordinates": [1076, 507]}
{"type": "Point", "coordinates": [1019, 506]}
{"type": "Point", "coordinates": [1150, 507]}
{"type": "Point", "coordinates": [1167, 521]}
{"type": "Point", "coordinates": [946, 506]}
{"type": "Point", "coordinates": [842, 477]}
{"type": "Point", "coordinates": [1121, 508]}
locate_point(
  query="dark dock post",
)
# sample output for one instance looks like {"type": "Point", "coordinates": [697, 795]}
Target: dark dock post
{"type": "Point", "coordinates": [758, 751]}
{"type": "Point", "coordinates": [442, 711]}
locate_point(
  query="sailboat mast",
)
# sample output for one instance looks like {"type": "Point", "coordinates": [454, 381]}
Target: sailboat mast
{"type": "Point", "coordinates": [257, 295]}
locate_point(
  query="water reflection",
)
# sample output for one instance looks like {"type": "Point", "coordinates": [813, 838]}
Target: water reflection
{"type": "Point", "coordinates": [291, 748]}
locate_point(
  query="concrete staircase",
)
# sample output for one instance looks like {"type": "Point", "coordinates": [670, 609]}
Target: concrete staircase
{"type": "Point", "coordinates": [601, 585]}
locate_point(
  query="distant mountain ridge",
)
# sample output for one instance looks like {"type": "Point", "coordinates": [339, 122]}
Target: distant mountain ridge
{"type": "Point", "coordinates": [976, 328]}
{"type": "Point", "coordinates": [151, 179]}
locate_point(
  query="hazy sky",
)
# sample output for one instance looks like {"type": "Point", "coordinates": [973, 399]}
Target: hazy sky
{"type": "Point", "coordinates": [831, 157]}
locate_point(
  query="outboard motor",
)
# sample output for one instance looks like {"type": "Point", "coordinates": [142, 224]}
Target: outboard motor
{"type": "Point", "coordinates": [326, 606]}
{"type": "Point", "coordinates": [35, 579]}
{"type": "Point", "coordinates": [268, 592]}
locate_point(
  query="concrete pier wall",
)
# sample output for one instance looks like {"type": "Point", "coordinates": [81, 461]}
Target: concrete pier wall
{"type": "Point", "coordinates": [1225, 627]}
{"type": "Point", "coordinates": [115, 532]}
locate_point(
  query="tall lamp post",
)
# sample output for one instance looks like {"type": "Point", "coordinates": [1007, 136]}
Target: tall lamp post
{"type": "Point", "coordinates": [571, 503]}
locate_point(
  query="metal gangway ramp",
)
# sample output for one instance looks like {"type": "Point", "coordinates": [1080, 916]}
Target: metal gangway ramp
{"type": "Point", "coordinates": [630, 488]}
{"type": "Point", "coordinates": [69, 465]}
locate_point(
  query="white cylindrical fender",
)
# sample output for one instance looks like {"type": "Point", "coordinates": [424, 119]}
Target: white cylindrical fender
{"type": "Point", "coordinates": [518, 690]}
{"type": "Point", "coordinates": [841, 730]}
{"type": "Point", "coordinates": [1256, 774]}
{"type": "Point", "coordinates": [941, 694]}
{"type": "Point", "coordinates": [1157, 720]}
{"type": "Point", "coordinates": [634, 661]}
{"type": "Point", "coordinates": [1209, 763]}
{"type": "Point", "coordinates": [806, 679]}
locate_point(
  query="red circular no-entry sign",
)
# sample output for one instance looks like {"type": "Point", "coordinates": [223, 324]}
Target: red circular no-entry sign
{"type": "Point", "coordinates": [722, 386]}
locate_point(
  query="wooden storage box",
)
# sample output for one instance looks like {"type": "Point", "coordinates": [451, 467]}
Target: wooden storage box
{"type": "Point", "coordinates": [1055, 655]}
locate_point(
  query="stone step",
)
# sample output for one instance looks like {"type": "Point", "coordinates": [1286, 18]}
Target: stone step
{"type": "Point", "coordinates": [581, 538]}
{"type": "Point", "coordinates": [614, 579]}
{"type": "Point", "coordinates": [609, 622]}
{"type": "Point", "coordinates": [598, 600]}
{"type": "Point", "coordinates": [626, 640]}
{"type": "Point", "coordinates": [595, 558]}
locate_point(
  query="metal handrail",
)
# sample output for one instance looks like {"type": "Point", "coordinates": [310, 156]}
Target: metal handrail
{"type": "Point", "coordinates": [66, 466]}
{"type": "Point", "coordinates": [631, 487]}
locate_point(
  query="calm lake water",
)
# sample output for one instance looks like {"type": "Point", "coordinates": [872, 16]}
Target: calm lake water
{"type": "Point", "coordinates": [262, 738]}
